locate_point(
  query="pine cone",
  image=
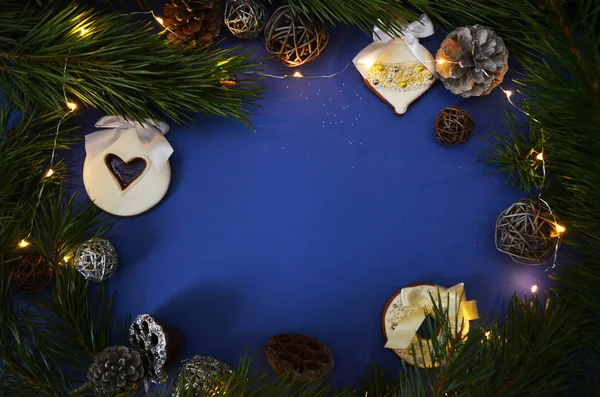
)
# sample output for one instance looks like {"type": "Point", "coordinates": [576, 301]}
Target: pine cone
{"type": "Point", "coordinates": [116, 369]}
{"type": "Point", "coordinates": [193, 21]}
{"type": "Point", "coordinates": [472, 61]}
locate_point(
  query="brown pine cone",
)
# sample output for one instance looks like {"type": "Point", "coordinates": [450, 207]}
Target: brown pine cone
{"type": "Point", "coordinates": [196, 22]}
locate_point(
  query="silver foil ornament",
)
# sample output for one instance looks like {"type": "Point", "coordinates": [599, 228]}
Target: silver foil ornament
{"type": "Point", "coordinates": [96, 259]}
{"type": "Point", "coordinates": [157, 343]}
{"type": "Point", "coordinates": [199, 373]}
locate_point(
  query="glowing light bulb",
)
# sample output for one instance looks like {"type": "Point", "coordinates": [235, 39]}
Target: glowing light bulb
{"type": "Point", "coordinates": [560, 228]}
{"type": "Point", "coordinates": [83, 31]}
{"type": "Point", "coordinates": [534, 288]}
{"type": "Point", "coordinates": [297, 74]}
{"type": "Point", "coordinates": [23, 243]}
{"type": "Point", "coordinates": [66, 258]}
{"type": "Point", "coordinates": [441, 61]}
{"type": "Point", "coordinates": [508, 93]}
{"type": "Point", "coordinates": [540, 156]}
{"type": "Point", "coordinates": [49, 173]}
{"type": "Point", "coordinates": [159, 20]}
{"type": "Point", "coordinates": [368, 62]}
{"type": "Point", "coordinates": [488, 334]}
{"type": "Point", "coordinates": [72, 106]}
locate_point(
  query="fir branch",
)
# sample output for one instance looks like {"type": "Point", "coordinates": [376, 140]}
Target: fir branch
{"type": "Point", "coordinates": [24, 155]}
{"type": "Point", "coordinates": [118, 66]}
{"type": "Point", "coordinates": [61, 225]}
{"type": "Point", "coordinates": [388, 15]}
{"type": "Point", "coordinates": [515, 153]}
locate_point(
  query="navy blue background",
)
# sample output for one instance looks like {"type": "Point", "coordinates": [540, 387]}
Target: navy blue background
{"type": "Point", "coordinates": [313, 220]}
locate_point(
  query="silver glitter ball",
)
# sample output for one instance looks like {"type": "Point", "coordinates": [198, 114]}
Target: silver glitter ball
{"type": "Point", "coordinates": [375, 82]}
{"type": "Point", "coordinates": [150, 340]}
{"type": "Point", "coordinates": [390, 79]}
{"type": "Point", "coordinates": [96, 259]}
{"type": "Point", "coordinates": [200, 373]}
{"type": "Point", "coordinates": [396, 69]}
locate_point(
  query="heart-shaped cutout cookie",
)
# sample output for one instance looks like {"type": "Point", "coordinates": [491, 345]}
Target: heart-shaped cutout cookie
{"type": "Point", "coordinates": [125, 172]}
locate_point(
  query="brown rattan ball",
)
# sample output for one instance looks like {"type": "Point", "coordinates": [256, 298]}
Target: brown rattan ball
{"type": "Point", "coordinates": [453, 126]}
{"type": "Point", "coordinates": [528, 232]}
{"type": "Point", "coordinates": [32, 273]}
{"type": "Point", "coordinates": [245, 18]}
{"type": "Point", "coordinates": [294, 37]}
{"type": "Point", "coordinates": [305, 357]}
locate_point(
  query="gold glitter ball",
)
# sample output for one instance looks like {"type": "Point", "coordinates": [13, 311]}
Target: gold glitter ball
{"type": "Point", "coordinates": [420, 68]}
{"type": "Point", "coordinates": [403, 84]}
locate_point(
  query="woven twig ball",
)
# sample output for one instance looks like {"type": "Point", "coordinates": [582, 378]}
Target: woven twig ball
{"type": "Point", "coordinates": [201, 373]}
{"type": "Point", "coordinates": [294, 37]}
{"type": "Point", "coordinates": [528, 232]}
{"type": "Point", "coordinates": [32, 273]}
{"type": "Point", "coordinates": [453, 126]}
{"type": "Point", "coordinates": [96, 260]}
{"type": "Point", "coordinates": [245, 18]}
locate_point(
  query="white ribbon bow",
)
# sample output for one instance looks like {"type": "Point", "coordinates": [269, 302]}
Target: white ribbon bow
{"type": "Point", "coordinates": [410, 34]}
{"type": "Point", "coordinates": [419, 302]}
{"type": "Point", "coordinates": [150, 133]}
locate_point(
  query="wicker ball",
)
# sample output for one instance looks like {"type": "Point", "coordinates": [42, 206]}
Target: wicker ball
{"type": "Point", "coordinates": [528, 232]}
{"type": "Point", "coordinates": [453, 126]}
{"type": "Point", "coordinates": [96, 260]}
{"type": "Point", "coordinates": [295, 38]}
{"type": "Point", "coordinates": [245, 18]}
{"type": "Point", "coordinates": [199, 374]}
{"type": "Point", "coordinates": [32, 273]}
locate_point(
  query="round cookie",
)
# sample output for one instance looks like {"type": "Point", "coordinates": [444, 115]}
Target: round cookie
{"type": "Point", "coordinates": [122, 179]}
{"type": "Point", "coordinates": [394, 311]}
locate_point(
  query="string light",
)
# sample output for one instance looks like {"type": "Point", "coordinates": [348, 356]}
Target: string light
{"type": "Point", "coordinates": [159, 20]}
{"type": "Point", "coordinates": [508, 94]}
{"type": "Point", "coordinates": [300, 76]}
{"type": "Point", "coordinates": [72, 107]}
{"type": "Point", "coordinates": [66, 258]}
{"type": "Point", "coordinates": [559, 229]}
{"type": "Point", "coordinates": [83, 31]}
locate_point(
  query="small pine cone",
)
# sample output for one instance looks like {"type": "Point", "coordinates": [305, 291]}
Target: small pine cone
{"type": "Point", "coordinates": [472, 61]}
{"type": "Point", "coordinates": [193, 21]}
{"type": "Point", "coordinates": [116, 369]}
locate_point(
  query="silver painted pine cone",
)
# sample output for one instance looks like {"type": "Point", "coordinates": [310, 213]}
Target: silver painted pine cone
{"type": "Point", "coordinates": [472, 61]}
{"type": "Point", "coordinates": [116, 369]}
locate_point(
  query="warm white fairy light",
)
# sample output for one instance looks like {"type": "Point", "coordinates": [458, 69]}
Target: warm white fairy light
{"type": "Point", "coordinates": [72, 106]}
{"type": "Point", "coordinates": [159, 20]}
{"type": "Point", "coordinates": [83, 31]}
{"type": "Point", "coordinates": [559, 229]}
{"type": "Point", "coordinates": [299, 75]}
